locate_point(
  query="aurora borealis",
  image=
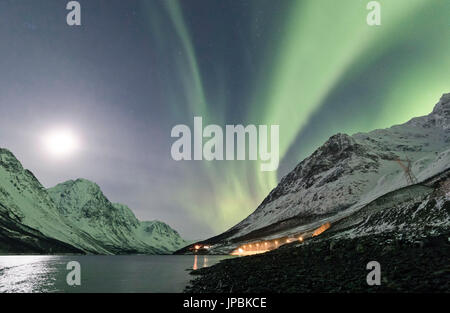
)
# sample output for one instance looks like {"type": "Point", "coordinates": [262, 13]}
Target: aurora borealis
{"type": "Point", "coordinates": [134, 69]}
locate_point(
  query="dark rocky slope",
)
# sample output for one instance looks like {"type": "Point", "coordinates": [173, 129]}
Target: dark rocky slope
{"type": "Point", "coordinates": [334, 266]}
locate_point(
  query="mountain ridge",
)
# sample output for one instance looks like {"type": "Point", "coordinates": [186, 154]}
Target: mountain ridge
{"type": "Point", "coordinates": [344, 175]}
{"type": "Point", "coordinates": [73, 214]}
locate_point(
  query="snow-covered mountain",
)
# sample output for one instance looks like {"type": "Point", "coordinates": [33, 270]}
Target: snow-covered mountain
{"type": "Point", "coordinates": [410, 213]}
{"type": "Point", "coordinates": [346, 174]}
{"type": "Point", "coordinates": [114, 224]}
{"type": "Point", "coordinates": [74, 216]}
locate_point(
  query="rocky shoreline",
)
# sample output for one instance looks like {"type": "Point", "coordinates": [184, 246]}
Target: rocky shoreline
{"type": "Point", "coordinates": [329, 265]}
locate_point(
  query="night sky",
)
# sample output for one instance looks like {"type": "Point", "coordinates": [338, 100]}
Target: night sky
{"type": "Point", "coordinates": [135, 69]}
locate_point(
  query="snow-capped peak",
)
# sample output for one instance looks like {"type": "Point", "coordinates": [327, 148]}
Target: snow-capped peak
{"type": "Point", "coordinates": [443, 106]}
{"type": "Point", "coordinates": [439, 117]}
{"type": "Point", "coordinates": [84, 203]}
{"type": "Point", "coordinates": [347, 172]}
{"type": "Point", "coordinates": [76, 213]}
{"type": "Point", "coordinates": [9, 161]}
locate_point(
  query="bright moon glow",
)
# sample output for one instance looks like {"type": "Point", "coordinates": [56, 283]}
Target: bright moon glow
{"type": "Point", "coordinates": [61, 142]}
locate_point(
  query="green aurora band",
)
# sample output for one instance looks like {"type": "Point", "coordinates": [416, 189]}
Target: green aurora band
{"type": "Point", "coordinates": [327, 72]}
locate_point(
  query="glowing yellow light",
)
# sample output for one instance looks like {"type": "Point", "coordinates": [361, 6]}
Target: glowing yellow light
{"type": "Point", "coordinates": [321, 229]}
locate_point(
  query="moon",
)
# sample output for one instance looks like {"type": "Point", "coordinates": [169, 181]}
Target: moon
{"type": "Point", "coordinates": [61, 142]}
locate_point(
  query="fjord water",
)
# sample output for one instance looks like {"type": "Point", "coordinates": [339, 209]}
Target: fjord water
{"type": "Point", "coordinates": [136, 273]}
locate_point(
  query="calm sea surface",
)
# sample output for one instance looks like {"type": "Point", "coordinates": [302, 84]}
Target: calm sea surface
{"type": "Point", "coordinates": [165, 273]}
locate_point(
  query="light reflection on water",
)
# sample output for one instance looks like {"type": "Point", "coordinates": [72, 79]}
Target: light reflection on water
{"type": "Point", "coordinates": [205, 262]}
{"type": "Point", "coordinates": [28, 274]}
